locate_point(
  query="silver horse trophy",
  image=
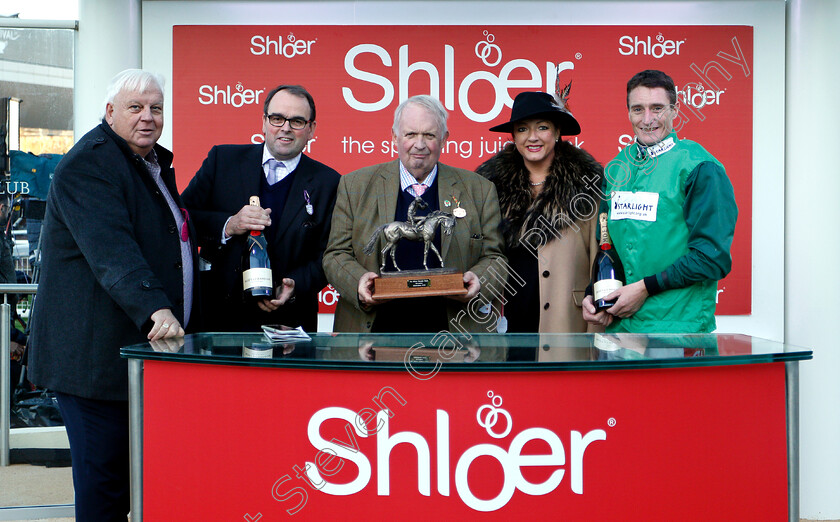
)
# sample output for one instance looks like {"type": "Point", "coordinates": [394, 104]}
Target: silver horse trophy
{"type": "Point", "coordinates": [415, 283]}
{"type": "Point", "coordinates": [415, 229]}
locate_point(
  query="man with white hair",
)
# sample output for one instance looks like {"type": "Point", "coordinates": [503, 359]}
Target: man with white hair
{"type": "Point", "coordinates": [383, 193]}
{"type": "Point", "coordinates": [118, 258]}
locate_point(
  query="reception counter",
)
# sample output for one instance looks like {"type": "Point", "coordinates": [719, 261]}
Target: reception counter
{"type": "Point", "coordinates": [496, 427]}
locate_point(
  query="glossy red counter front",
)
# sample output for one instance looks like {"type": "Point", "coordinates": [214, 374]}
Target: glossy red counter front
{"type": "Point", "coordinates": [565, 427]}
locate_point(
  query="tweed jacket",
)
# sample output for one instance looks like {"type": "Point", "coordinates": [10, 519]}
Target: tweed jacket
{"type": "Point", "coordinates": [367, 198]}
{"type": "Point", "coordinates": [111, 257]}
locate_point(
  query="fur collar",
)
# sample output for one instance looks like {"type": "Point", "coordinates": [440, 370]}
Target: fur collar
{"type": "Point", "coordinates": [573, 172]}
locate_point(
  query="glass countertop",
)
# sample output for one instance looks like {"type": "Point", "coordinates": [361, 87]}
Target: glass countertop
{"type": "Point", "coordinates": [477, 352]}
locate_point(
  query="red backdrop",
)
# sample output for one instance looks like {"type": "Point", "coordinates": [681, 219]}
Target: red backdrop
{"type": "Point", "coordinates": [359, 74]}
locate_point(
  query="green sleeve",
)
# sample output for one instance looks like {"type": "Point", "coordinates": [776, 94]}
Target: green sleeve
{"type": "Point", "coordinates": [710, 213]}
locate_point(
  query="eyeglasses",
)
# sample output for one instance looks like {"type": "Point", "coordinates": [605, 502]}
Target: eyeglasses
{"type": "Point", "coordinates": [656, 110]}
{"type": "Point", "coordinates": [278, 120]}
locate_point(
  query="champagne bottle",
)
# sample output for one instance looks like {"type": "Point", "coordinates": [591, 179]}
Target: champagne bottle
{"type": "Point", "coordinates": [256, 273]}
{"type": "Point", "coordinates": [607, 270]}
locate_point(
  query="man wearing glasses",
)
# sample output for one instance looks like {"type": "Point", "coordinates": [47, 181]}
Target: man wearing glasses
{"type": "Point", "coordinates": [671, 216]}
{"type": "Point", "coordinates": [296, 194]}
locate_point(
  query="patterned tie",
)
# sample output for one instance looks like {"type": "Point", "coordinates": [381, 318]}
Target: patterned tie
{"type": "Point", "coordinates": [419, 189]}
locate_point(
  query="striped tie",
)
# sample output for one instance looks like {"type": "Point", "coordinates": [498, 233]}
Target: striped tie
{"type": "Point", "coordinates": [273, 164]}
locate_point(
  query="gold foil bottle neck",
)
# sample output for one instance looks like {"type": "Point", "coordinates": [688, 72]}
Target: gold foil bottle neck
{"type": "Point", "coordinates": [605, 234]}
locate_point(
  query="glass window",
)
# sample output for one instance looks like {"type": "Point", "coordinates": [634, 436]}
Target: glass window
{"type": "Point", "coordinates": [36, 130]}
{"type": "Point", "coordinates": [36, 67]}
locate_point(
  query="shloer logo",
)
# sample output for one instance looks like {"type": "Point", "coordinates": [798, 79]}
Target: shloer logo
{"type": "Point", "coordinates": [635, 46]}
{"type": "Point", "coordinates": [510, 458]}
{"type": "Point", "coordinates": [269, 45]}
{"type": "Point", "coordinates": [696, 96]}
{"type": "Point", "coordinates": [237, 96]}
{"type": "Point", "coordinates": [442, 84]}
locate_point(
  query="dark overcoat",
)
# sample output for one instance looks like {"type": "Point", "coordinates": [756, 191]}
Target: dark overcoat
{"type": "Point", "coordinates": [110, 258]}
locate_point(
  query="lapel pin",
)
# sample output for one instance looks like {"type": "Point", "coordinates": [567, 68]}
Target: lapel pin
{"type": "Point", "coordinates": [458, 212]}
{"type": "Point", "coordinates": [309, 209]}
{"type": "Point", "coordinates": [446, 203]}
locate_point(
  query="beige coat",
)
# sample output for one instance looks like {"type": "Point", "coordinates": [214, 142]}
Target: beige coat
{"type": "Point", "coordinates": [565, 260]}
{"type": "Point", "coordinates": [565, 267]}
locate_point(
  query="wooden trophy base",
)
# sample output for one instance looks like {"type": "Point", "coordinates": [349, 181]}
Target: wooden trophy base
{"type": "Point", "coordinates": [419, 283]}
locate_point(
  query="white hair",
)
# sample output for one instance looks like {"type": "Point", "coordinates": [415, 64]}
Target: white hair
{"type": "Point", "coordinates": [135, 80]}
{"type": "Point", "coordinates": [429, 103]}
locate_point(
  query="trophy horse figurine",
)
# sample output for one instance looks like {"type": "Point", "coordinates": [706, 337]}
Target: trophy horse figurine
{"type": "Point", "coordinates": [415, 229]}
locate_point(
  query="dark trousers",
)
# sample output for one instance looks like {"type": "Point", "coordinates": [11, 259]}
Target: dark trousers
{"type": "Point", "coordinates": [98, 434]}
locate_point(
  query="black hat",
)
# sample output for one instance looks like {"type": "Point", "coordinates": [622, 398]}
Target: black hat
{"type": "Point", "coordinates": [528, 105]}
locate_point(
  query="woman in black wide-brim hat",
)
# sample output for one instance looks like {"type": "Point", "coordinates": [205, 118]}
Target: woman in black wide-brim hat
{"type": "Point", "coordinates": [549, 195]}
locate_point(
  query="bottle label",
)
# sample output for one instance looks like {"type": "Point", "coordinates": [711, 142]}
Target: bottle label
{"type": "Point", "coordinates": [256, 278]}
{"type": "Point", "coordinates": [258, 353]}
{"type": "Point", "coordinates": [604, 343]}
{"type": "Point", "coordinates": [605, 287]}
